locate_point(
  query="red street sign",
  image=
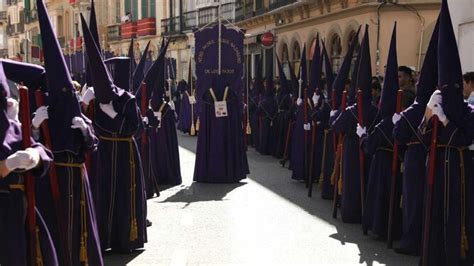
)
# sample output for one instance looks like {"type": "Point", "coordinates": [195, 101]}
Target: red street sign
{"type": "Point", "coordinates": [267, 40]}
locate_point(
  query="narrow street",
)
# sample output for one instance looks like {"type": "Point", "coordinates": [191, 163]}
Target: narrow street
{"type": "Point", "coordinates": [265, 220]}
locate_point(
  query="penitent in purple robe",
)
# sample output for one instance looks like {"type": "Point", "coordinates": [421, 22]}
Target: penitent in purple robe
{"type": "Point", "coordinates": [220, 155]}
{"type": "Point", "coordinates": [297, 151]}
{"type": "Point", "coordinates": [267, 111]}
{"type": "Point", "coordinates": [281, 122]}
{"type": "Point", "coordinates": [164, 146]}
{"type": "Point", "coordinates": [13, 232]}
{"type": "Point", "coordinates": [323, 162]}
{"type": "Point", "coordinates": [122, 204]}
{"type": "Point", "coordinates": [351, 199]}
{"type": "Point", "coordinates": [452, 206]}
{"type": "Point", "coordinates": [379, 145]}
{"type": "Point", "coordinates": [74, 188]}
{"type": "Point", "coordinates": [187, 114]}
{"type": "Point", "coordinates": [406, 132]}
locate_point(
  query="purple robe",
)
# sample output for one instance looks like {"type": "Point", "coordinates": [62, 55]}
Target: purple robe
{"type": "Point", "coordinates": [74, 188]}
{"type": "Point", "coordinates": [221, 156]}
{"type": "Point", "coordinates": [281, 123]}
{"type": "Point", "coordinates": [379, 145]}
{"type": "Point", "coordinates": [187, 114]}
{"type": "Point", "coordinates": [406, 133]}
{"type": "Point", "coordinates": [297, 151]}
{"type": "Point", "coordinates": [346, 123]}
{"type": "Point", "coordinates": [452, 204]}
{"type": "Point", "coordinates": [324, 151]}
{"type": "Point", "coordinates": [254, 99]}
{"type": "Point", "coordinates": [121, 210]}
{"type": "Point", "coordinates": [13, 233]}
{"type": "Point", "coordinates": [164, 147]}
{"type": "Point", "coordinates": [267, 112]}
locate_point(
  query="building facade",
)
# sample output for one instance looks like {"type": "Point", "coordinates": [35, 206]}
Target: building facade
{"type": "Point", "coordinates": [137, 19]}
{"type": "Point", "coordinates": [462, 14]}
{"type": "Point", "coordinates": [296, 23]}
{"type": "Point", "coordinates": [3, 29]}
{"type": "Point", "coordinates": [184, 16]}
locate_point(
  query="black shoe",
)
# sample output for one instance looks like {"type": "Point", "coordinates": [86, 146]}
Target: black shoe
{"type": "Point", "coordinates": [148, 223]}
{"type": "Point", "coordinates": [406, 251]}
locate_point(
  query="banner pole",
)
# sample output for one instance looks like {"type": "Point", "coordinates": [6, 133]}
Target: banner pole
{"type": "Point", "coordinates": [220, 36]}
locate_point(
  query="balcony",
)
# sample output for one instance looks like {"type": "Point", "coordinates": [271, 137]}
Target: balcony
{"type": "Point", "coordinates": [3, 16]}
{"type": "Point", "coordinates": [239, 11]}
{"type": "Point", "coordinates": [113, 32]}
{"type": "Point", "coordinates": [15, 29]}
{"type": "Point", "coordinates": [279, 3]}
{"type": "Point", "coordinates": [248, 10]}
{"type": "Point", "coordinates": [206, 3]}
{"type": "Point", "coordinates": [128, 30]}
{"type": "Point", "coordinates": [31, 16]}
{"type": "Point", "coordinates": [75, 43]}
{"type": "Point", "coordinates": [171, 26]}
{"type": "Point", "coordinates": [227, 11]}
{"type": "Point", "coordinates": [62, 41]}
{"type": "Point", "coordinates": [207, 15]}
{"type": "Point", "coordinates": [190, 21]}
{"type": "Point", "coordinates": [146, 27]}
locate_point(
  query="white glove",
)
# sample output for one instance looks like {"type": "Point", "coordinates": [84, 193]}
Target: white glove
{"type": "Point", "coordinates": [12, 109]}
{"type": "Point", "coordinates": [27, 159]}
{"type": "Point", "coordinates": [171, 104]}
{"type": "Point", "coordinates": [192, 100]}
{"type": "Point", "coordinates": [145, 120]}
{"type": "Point", "coordinates": [108, 108]}
{"type": "Point", "coordinates": [395, 118]}
{"type": "Point", "coordinates": [40, 115]}
{"type": "Point", "coordinates": [307, 127]}
{"type": "Point", "coordinates": [436, 99]}
{"type": "Point", "coordinates": [438, 111]}
{"type": "Point", "coordinates": [332, 113]}
{"type": "Point", "coordinates": [315, 98]}
{"type": "Point", "coordinates": [361, 130]}
{"type": "Point", "coordinates": [89, 95]}
{"type": "Point", "coordinates": [79, 123]}
{"type": "Point", "coordinates": [299, 102]}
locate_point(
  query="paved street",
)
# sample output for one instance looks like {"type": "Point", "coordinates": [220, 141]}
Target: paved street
{"type": "Point", "coordinates": [265, 220]}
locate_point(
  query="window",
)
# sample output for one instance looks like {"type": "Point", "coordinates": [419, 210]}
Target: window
{"type": "Point", "coordinates": [131, 6]}
{"type": "Point", "coordinates": [285, 60]}
{"type": "Point", "coordinates": [148, 9]}
{"type": "Point", "coordinates": [296, 55]}
{"type": "Point", "coordinates": [335, 52]}
{"type": "Point", "coordinates": [207, 15]}
{"type": "Point", "coordinates": [60, 26]}
{"type": "Point", "coordinates": [352, 35]}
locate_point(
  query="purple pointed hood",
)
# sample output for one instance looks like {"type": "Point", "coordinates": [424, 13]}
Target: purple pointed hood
{"type": "Point", "coordinates": [31, 75]}
{"type": "Point", "coordinates": [364, 75]}
{"type": "Point", "coordinates": [388, 99]}
{"type": "Point", "coordinates": [284, 84]}
{"type": "Point", "coordinates": [139, 72]}
{"type": "Point", "coordinates": [62, 99]}
{"type": "Point", "coordinates": [120, 69]}
{"type": "Point", "coordinates": [450, 79]}
{"type": "Point", "coordinates": [315, 76]}
{"type": "Point", "coordinates": [104, 88]}
{"type": "Point", "coordinates": [328, 72]}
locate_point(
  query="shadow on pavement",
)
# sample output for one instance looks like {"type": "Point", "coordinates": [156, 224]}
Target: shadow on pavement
{"type": "Point", "coordinates": [198, 192]}
{"type": "Point", "coordinates": [117, 259]}
{"type": "Point", "coordinates": [371, 249]}
{"type": "Point", "coordinates": [267, 172]}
